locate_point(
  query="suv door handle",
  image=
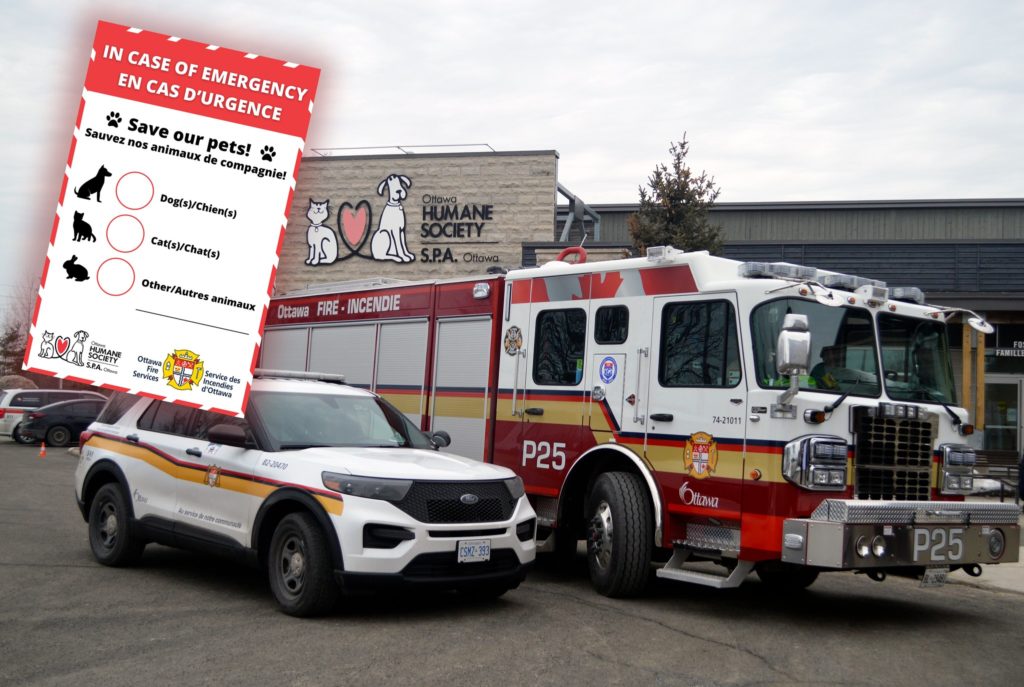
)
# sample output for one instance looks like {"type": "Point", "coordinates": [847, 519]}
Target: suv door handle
{"type": "Point", "coordinates": [134, 438]}
{"type": "Point", "coordinates": [662, 417]}
{"type": "Point", "coordinates": [194, 452]}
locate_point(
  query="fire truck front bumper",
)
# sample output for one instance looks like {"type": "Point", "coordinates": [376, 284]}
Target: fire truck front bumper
{"type": "Point", "coordinates": [858, 535]}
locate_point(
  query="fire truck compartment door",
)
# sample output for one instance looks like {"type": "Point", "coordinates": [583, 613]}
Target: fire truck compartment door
{"type": "Point", "coordinates": [695, 415]}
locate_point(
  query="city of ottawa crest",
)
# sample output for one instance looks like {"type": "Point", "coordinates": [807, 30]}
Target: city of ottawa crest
{"type": "Point", "coordinates": [183, 369]}
{"type": "Point", "coordinates": [700, 457]}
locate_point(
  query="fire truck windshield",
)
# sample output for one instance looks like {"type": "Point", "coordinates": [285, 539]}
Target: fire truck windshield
{"type": "Point", "coordinates": [915, 357]}
{"type": "Point", "coordinates": [843, 351]}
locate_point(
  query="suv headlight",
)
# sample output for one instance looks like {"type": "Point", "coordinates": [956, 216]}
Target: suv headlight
{"type": "Point", "coordinates": [816, 462]}
{"type": "Point", "coordinates": [515, 487]}
{"type": "Point", "coordinates": [367, 487]}
{"type": "Point", "coordinates": [957, 469]}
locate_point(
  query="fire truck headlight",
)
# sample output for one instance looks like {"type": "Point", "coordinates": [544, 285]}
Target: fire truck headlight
{"type": "Point", "coordinates": [996, 544]}
{"type": "Point", "coordinates": [863, 547]}
{"type": "Point", "coordinates": [816, 462]}
{"type": "Point", "coordinates": [878, 546]}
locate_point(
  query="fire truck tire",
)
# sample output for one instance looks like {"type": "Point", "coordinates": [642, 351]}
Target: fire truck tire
{"type": "Point", "coordinates": [620, 534]}
{"type": "Point", "coordinates": [785, 576]}
{"type": "Point", "coordinates": [299, 567]}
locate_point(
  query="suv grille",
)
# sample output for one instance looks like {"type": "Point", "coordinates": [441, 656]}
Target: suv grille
{"type": "Point", "coordinates": [439, 502]}
{"type": "Point", "coordinates": [444, 564]}
{"type": "Point", "coordinates": [892, 457]}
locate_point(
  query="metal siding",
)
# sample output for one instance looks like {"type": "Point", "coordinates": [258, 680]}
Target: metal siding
{"type": "Point", "coordinates": [284, 349]}
{"type": "Point", "coordinates": [347, 349]}
{"type": "Point", "coordinates": [945, 267]}
{"type": "Point", "coordinates": [402, 355]}
{"type": "Point", "coordinates": [461, 365]}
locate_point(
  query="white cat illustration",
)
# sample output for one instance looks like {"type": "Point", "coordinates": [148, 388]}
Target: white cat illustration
{"type": "Point", "coordinates": [323, 243]}
{"type": "Point", "coordinates": [46, 346]}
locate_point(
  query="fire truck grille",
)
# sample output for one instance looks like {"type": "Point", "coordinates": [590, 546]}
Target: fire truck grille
{"type": "Point", "coordinates": [443, 502]}
{"type": "Point", "coordinates": [893, 458]}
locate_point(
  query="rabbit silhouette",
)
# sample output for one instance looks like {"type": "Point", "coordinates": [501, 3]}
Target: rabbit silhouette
{"type": "Point", "coordinates": [74, 270]}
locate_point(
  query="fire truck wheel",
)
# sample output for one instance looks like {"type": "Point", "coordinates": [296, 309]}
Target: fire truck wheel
{"type": "Point", "coordinates": [300, 567]}
{"type": "Point", "coordinates": [786, 576]}
{"type": "Point", "coordinates": [620, 534]}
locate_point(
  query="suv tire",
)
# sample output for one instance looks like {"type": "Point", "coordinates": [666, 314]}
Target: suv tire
{"type": "Point", "coordinates": [111, 537]}
{"type": "Point", "coordinates": [299, 567]}
{"type": "Point", "coordinates": [19, 437]}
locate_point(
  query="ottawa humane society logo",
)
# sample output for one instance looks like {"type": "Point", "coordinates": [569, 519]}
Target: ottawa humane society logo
{"type": "Point", "coordinates": [183, 369]}
{"type": "Point", "coordinates": [63, 347]}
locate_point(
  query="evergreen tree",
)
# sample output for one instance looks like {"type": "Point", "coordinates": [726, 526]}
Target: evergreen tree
{"type": "Point", "coordinates": [676, 210]}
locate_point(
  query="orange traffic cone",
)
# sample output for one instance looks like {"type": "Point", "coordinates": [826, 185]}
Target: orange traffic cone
{"type": "Point", "coordinates": [42, 449]}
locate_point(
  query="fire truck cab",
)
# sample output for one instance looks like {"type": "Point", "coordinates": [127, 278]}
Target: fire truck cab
{"type": "Point", "coordinates": [766, 417]}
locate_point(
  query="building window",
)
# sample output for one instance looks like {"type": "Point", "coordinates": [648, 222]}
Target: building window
{"type": "Point", "coordinates": [611, 324]}
{"type": "Point", "coordinates": [699, 345]}
{"type": "Point", "coordinates": [561, 341]}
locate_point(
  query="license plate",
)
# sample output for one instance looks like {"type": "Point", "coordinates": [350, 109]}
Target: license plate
{"type": "Point", "coordinates": [938, 544]}
{"type": "Point", "coordinates": [474, 550]}
{"type": "Point", "coordinates": [934, 576]}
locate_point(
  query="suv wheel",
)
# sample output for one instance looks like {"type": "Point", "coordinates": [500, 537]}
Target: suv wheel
{"type": "Point", "coordinates": [300, 567]}
{"type": "Point", "coordinates": [19, 437]}
{"type": "Point", "coordinates": [110, 534]}
{"type": "Point", "coordinates": [58, 436]}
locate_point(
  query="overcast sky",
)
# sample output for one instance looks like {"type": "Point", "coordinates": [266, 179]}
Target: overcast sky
{"type": "Point", "coordinates": [780, 100]}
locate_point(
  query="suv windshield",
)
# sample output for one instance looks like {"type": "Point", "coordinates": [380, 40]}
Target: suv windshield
{"type": "Point", "coordinates": [843, 354]}
{"type": "Point", "coordinates": [915, 357]}
{"type": "Point", "coordinates": [304, 420]}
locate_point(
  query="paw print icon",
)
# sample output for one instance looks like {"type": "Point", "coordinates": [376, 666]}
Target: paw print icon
{"type": "Point", "coordinates": [113, 119]}
{"type": "Point", "coordinates": [268, 154]}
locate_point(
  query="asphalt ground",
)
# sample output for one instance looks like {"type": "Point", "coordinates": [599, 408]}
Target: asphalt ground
{"type": "Point", "coordinates": [182, 618]}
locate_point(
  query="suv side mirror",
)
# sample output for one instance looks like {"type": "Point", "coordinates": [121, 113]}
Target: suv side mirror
{"type": "Point", "coordinates": [229, 435]}
{"type": "Point", "coordinates": [793, 348]}
{"type": "Point", "coordinates": [441, 439]}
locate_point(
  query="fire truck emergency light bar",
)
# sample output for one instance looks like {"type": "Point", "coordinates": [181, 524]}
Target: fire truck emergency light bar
{"type": "Point", "coordinates": [872, 289]}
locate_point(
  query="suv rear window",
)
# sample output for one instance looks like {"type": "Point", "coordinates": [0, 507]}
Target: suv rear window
{"type": "Point", "coordinates": [117, 405]}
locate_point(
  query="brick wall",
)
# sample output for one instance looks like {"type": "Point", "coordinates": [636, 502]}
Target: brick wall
{"type": "Point", "coordinates": [500, 200]}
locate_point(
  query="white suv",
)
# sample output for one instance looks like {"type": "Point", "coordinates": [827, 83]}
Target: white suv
{"type": "Point", "coordinates": [328, 486]}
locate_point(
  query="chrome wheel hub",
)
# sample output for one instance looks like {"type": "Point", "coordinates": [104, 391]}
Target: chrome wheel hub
{"type": "Point", "coordinates": [599, 540]}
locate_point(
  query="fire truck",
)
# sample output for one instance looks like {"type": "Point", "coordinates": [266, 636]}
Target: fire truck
{"type": "Point", "coordinates": [713, 416]}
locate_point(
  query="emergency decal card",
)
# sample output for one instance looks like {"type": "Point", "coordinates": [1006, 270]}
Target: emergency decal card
{"type": "Point", "coordinates": [170, 219]}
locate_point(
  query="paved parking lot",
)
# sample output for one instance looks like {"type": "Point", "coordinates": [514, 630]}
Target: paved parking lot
{"type": "Point", "coordinates": [181, 618]}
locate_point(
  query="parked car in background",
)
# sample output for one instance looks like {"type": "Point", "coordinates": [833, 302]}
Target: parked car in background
{"type": "Point", "coordinates": [59, 424]}
{"type": "Point", "coordinates": [14, 403]}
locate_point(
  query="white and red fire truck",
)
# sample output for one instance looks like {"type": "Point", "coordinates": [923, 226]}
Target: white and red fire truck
{"type": "Point", "coordinates": [683, 407]}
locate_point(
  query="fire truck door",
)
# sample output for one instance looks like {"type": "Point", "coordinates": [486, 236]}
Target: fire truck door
{"type": "Point", "coordinates": [695, 421]}
{"type": "Point", "coordinates": [553, 432]}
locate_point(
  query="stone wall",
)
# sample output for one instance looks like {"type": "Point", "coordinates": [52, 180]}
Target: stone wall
{"type": "Point", "coordinates": [463, 212]}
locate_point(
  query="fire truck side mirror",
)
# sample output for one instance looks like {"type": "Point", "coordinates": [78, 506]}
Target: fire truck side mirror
{"type": "Point", "coordinates": [793, 348]}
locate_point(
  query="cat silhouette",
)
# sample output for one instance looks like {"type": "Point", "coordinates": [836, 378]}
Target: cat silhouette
{"type": "Point", "coordinates": [322, 242]}
{"type": "Point", "coordinates": [94, 185]}
{"type": "Point", "coordinates": [76, 271]}
{"type": "Point", "coordinates": [46, 346]}
{"type": "Point", "coordinates": [83, 230]}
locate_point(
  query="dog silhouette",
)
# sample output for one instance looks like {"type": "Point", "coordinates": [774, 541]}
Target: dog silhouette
{"type": "Point", "coordinates": [94, 185]}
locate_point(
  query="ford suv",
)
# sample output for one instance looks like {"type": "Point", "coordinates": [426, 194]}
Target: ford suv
{"type": "Point", "coordinates": [327, 486]}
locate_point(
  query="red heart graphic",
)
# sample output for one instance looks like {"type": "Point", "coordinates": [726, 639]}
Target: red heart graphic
{"type": "Point", "coordinates": [353, 224]}
{"type": "Point", "coordinates": [62, 343]}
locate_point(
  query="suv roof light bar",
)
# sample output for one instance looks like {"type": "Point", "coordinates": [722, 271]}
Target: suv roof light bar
{"type": "Point", "coordinates": [264, 373]}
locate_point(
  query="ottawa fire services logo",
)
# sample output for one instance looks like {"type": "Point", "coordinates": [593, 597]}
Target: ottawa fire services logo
{"type": "Point", "coordinates": [700, 457]}
{"type": "Point", "coordinates": [513, 340]}
{"type": "Point", "coordinates": [183, 369]}
{"type": "Point", "coordinates": [213, 476]}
